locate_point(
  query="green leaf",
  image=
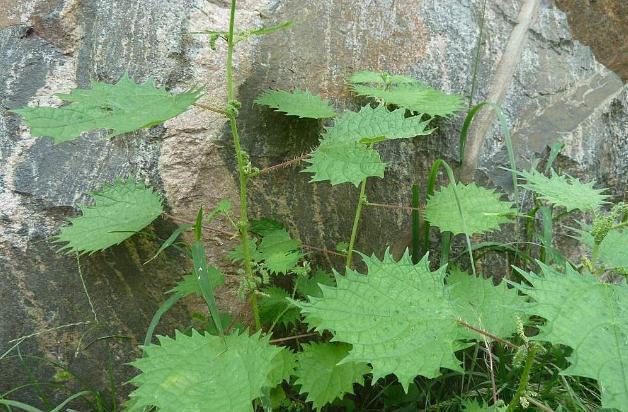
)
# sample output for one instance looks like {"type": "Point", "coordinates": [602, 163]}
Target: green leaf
{"type": "Point", "coordinates": [203, 372]}
{"type": "Point", "coordinates": [263, 31]}
{"type": "Point", "coordinates": [120, 210]}
{"type": "Point", "coordinates": [324, 376]}
{"type": "Point", "coordinates": [298, 103]}
{"type": "Point", "coordinates": [344, 162]}
{"type": "Point", "coordinates": [222, 208]}
{"type": "Point", "coordinates": [208, 278]}
{"type": "Point", "coordinates": [279, 251]}
{"type": "Point", "coordinates": [564, 191]}
{"type": "Point", "coordinates": [614, 249]}
{"type": "Point", "coordinates": [122, 108]}
{"type": "Point", "coordinates": [282, 368]}
{"type": "Point", "coordinates": [311, 286]}
{"type": "Point", "coordinates": [478, 302]}
{"type": "Point", "coordinates": [415, 97]}
{"type": "Point", "coordinates": [188, 285]}
{"type": "Point", "coordinates": [237, 255]}
{"type": "Point", "coordinates": [343, 155]}
{"type": "Point", "coordinates": [228, 321]}
{"type": "Point", "coordinates": [398, 318]}
{"type": "Point", "coordinates": [591, 317]}
{"type": "Point", "coordinates": [475, 406]}
{"type": "Point", "coordinates": [171, 239]}
{"type": "Point", "coordinates": [276, 306]}
{"type": "Point", "coordinates": [481, 208]}
{"type": "Point", "coordinates": [263, 226]}
{"type": "Point", "coordinates": [374, 123]}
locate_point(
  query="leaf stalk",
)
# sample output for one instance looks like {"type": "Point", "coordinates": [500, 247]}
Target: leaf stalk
{"type": "Point", "coordinates": [356, 222]}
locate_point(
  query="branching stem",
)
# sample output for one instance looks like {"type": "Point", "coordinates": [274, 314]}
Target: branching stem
{"type": "Point", "coordinates": [210, 108]}
{"type": "Point", "coordinates": [356, 222]}
{"type": "Point", "coordinates": [289, 338]}
{"type": "Point", "coordinates": [487, 334]}
{"type": "Point", "coordinates": [285, 164]}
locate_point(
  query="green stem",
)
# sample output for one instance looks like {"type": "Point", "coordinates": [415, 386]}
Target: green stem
{"type": "Point", "coordinates": [416, 226]}
{"type": "Point", "coordinates": [230, 47]}
{"type": "Point", "coordinates": [243, 224]}
{"type": "Point", "coordinates": [595, 254]}
{"type": "Point", "coordinates": [445, 240]}
{"type": "Point", "coordinates": [620, 225]}
{"type": "Point", "coordinates": [356, 222]}
{"type": "Point", "coordinates": [525, 378]}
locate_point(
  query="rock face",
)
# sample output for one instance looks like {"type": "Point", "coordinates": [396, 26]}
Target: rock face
{"type": "Point", "coordinates": [610, 44]}
{"type": "Point", "coordinates": [559, 93]}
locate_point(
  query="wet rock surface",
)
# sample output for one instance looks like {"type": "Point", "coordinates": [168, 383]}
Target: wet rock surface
{"type": "Point", "coordinates": [559, 93]}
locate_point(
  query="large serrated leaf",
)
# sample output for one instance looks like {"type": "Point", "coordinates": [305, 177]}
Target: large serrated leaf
{"type": "Point", "coordinates": [120, 210]}
{"type": "Point", "coordinates": [344, 162]}
{"type": "Point", "coordinates": [481, 208]}
{"type": "Point", "coordinates": [371, 123]}
{"type": "Point", "coordinates": [298, 103]}
{"type": "Point", "coordinates": [398, 318]}
{"type": "Point", "coordinates": [324, 376]}
{"type": "Point", "coordinates": [564, 191]}
{"type": "Point", "coordinates": [205, 373]}
{"type": "Point", "coordinates": [282, 367]}
{"type": "Point", "coordinates": [478, 302]}
{"type": "Point", "coordinates": [591, 317]}
{"type": "Point", "coordinates": [413, 96]}
{"type": "Point", "coordinates": [122, 107]}
{"type": "Point", "coordinates": [614, 249]}
{"type": "Point", "coordinates": [344, 155]}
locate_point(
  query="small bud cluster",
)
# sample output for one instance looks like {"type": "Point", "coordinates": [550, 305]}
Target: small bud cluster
{"type": "Point", "coordinates": [602, 224]}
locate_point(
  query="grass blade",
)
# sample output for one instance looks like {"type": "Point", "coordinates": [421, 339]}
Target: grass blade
{"type": "Point", "coordinates": [20, 405]}
{"type": "Point", "coordinates": [202, 274]}
{"type": "Point", "coordinates": [165, 307]}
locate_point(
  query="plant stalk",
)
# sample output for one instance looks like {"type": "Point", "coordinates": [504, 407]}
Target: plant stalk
{"type": "Point", "coordinates": [243, 224]}
{"type": "Point", "coordinates": [525, 378]}
{"type": "Point", "coordinates": [356, 222]}
{"type": "Point", "coordinates": [416, 226]}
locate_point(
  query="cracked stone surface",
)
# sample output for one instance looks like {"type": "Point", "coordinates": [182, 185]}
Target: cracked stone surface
{"type": "Point", "coordinates": [559, 93]}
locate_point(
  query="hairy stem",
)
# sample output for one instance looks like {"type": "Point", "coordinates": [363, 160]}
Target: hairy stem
{"type": "Point", "coordinates": [416, 226]}
{"type": "Point", "coordinates": [243, 224]}
{"type": "Point", "coordinates": [487, 334]}
{"type": "Point", "coordinates": [525, 378]}
{"type": "Point", "coordinates": [356, 222]}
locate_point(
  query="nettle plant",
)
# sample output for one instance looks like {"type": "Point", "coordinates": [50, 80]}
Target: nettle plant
{"type": "Point", "coordinates": [410, 323]}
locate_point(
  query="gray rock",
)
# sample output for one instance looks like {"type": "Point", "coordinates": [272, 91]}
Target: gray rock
{"type": "Point", "coordinates": [559, 92]}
